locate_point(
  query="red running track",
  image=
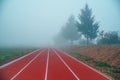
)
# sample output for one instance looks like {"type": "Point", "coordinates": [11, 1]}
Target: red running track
{"type": "Point", "coordinates": [49, 64]}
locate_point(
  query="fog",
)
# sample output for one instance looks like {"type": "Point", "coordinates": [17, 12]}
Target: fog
{"type": "Point", "coordinates": [36, 22]}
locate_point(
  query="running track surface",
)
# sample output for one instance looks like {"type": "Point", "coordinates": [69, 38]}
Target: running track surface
{"type": "Point", "coordinates": [49, 64]}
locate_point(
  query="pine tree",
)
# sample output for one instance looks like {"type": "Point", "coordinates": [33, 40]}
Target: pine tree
{"type": "Point", "coordinates": [87, 25]}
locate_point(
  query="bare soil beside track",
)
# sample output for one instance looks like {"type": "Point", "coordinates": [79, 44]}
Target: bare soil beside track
{"type": "Point", "coordinates": [107, 54]}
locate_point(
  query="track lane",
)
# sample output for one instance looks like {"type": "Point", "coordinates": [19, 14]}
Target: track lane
{"type": "Point", "coordinates": [47, 63]}
{"type": "Point", "coordinates": [36, 70]}
{"type": "Point", "coordinates": [82, 71]}
{"type": "Point", "coordinates": [77, 78]}
{"type": "Point", "coordinates": [7, 72]}
{"type": "Point", "coordinates": [51, 64]}
{"type": "Point", "coordinates": [57, 70]}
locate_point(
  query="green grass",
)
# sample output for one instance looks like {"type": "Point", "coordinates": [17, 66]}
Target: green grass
{"type": "Point", "coordinates": [102, 64]}
{"type": "Point", "coordinates": [80, 57]}
{"type": "Point", "coordinates": [6, 53]}
{"type": "Point", "coordinates": [116, 70]}
{"type": "Point", "coordinates": [75, 54]}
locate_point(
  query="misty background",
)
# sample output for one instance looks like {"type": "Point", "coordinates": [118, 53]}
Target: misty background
{"type": "Point", "coordinates": [37, 22]}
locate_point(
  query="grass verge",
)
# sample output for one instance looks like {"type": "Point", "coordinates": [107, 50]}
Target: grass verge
{"type": "Point", "coordinates": [11, 53]}
{"type": "Point", "coordinates": [112, 71]}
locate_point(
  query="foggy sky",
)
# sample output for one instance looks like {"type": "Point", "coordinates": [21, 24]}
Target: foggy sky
{"type": "Point", "coordinates": [36, 22]}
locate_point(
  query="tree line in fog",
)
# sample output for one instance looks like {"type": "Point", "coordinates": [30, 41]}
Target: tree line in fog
{"type": "Point", "coordinates": [85, 31]}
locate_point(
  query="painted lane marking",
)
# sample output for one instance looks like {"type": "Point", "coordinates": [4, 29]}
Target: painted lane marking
{"type": "Point", "coordinates": [67, 65]}
{"type": "Point", "coordinates": [86, 65]}
{"type": "Point", "coordinates": [18, 59]}
{"type": "Point", "coordinates": [26, 66]}
{"type": "Point", "coordinates": [46, 73]}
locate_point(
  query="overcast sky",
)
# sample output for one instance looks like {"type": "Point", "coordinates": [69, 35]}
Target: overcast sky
{"type": "Point", "coordinates": [36, 22]}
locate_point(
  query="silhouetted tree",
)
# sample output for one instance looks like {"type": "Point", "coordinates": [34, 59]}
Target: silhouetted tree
{"type": "Point", "coordinates": [109, 38]}
{"type": "Point", "coordinates": [69, 31]}
{"type": "Point", "coordinates": [87, 25]}
{"type": "Point", "coordinates": [101, 34]}
{"type": "Point", "coordinates": [59, 40]}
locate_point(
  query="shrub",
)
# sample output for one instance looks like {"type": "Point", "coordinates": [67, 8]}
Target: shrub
{"type": "Point", "coordinates": [116, 70]}
{"type": "Point", "coordinates": [79, 56]}
{"type": "Point", "coordinates": [102, 64]}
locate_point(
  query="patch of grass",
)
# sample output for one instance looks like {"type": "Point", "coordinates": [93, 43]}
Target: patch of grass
{"type": "Point", "coordinates": [75, 54]}
{"type": "Point", "coordinates": [116, 70]}
{"type": "Point", "coordinates": [102, 64]}
{"type": "Point", "coordinates": [80, 57]}
{"type": "Point", "coordinates": [6, 53]}
{"type": "Point", "coordinates": [112, 71]}
{"type": "Point", "coordinates": [113, 75]}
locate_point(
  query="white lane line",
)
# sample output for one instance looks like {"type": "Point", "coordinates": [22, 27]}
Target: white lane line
{"type": "Point", "coordinates": [86, 65]}
{"type": "Point", "coordinates": [67, 65]}
{"type": "Point", "coordinates": [46, 73]}
{"type": "Point", "coordinates": [17, 59]}
{"type": "Point", "coordinates": [26, 66]}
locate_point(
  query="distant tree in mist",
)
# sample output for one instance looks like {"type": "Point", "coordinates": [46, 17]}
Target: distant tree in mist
{"type": "Point", "coordinates": [109, 38]}
{"type": "Point", "coordinates": [87, 24]}
{"type": "Point", "coordinates": [59, 40]}
{"type": "Point", "coordinates": [69, 31]}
